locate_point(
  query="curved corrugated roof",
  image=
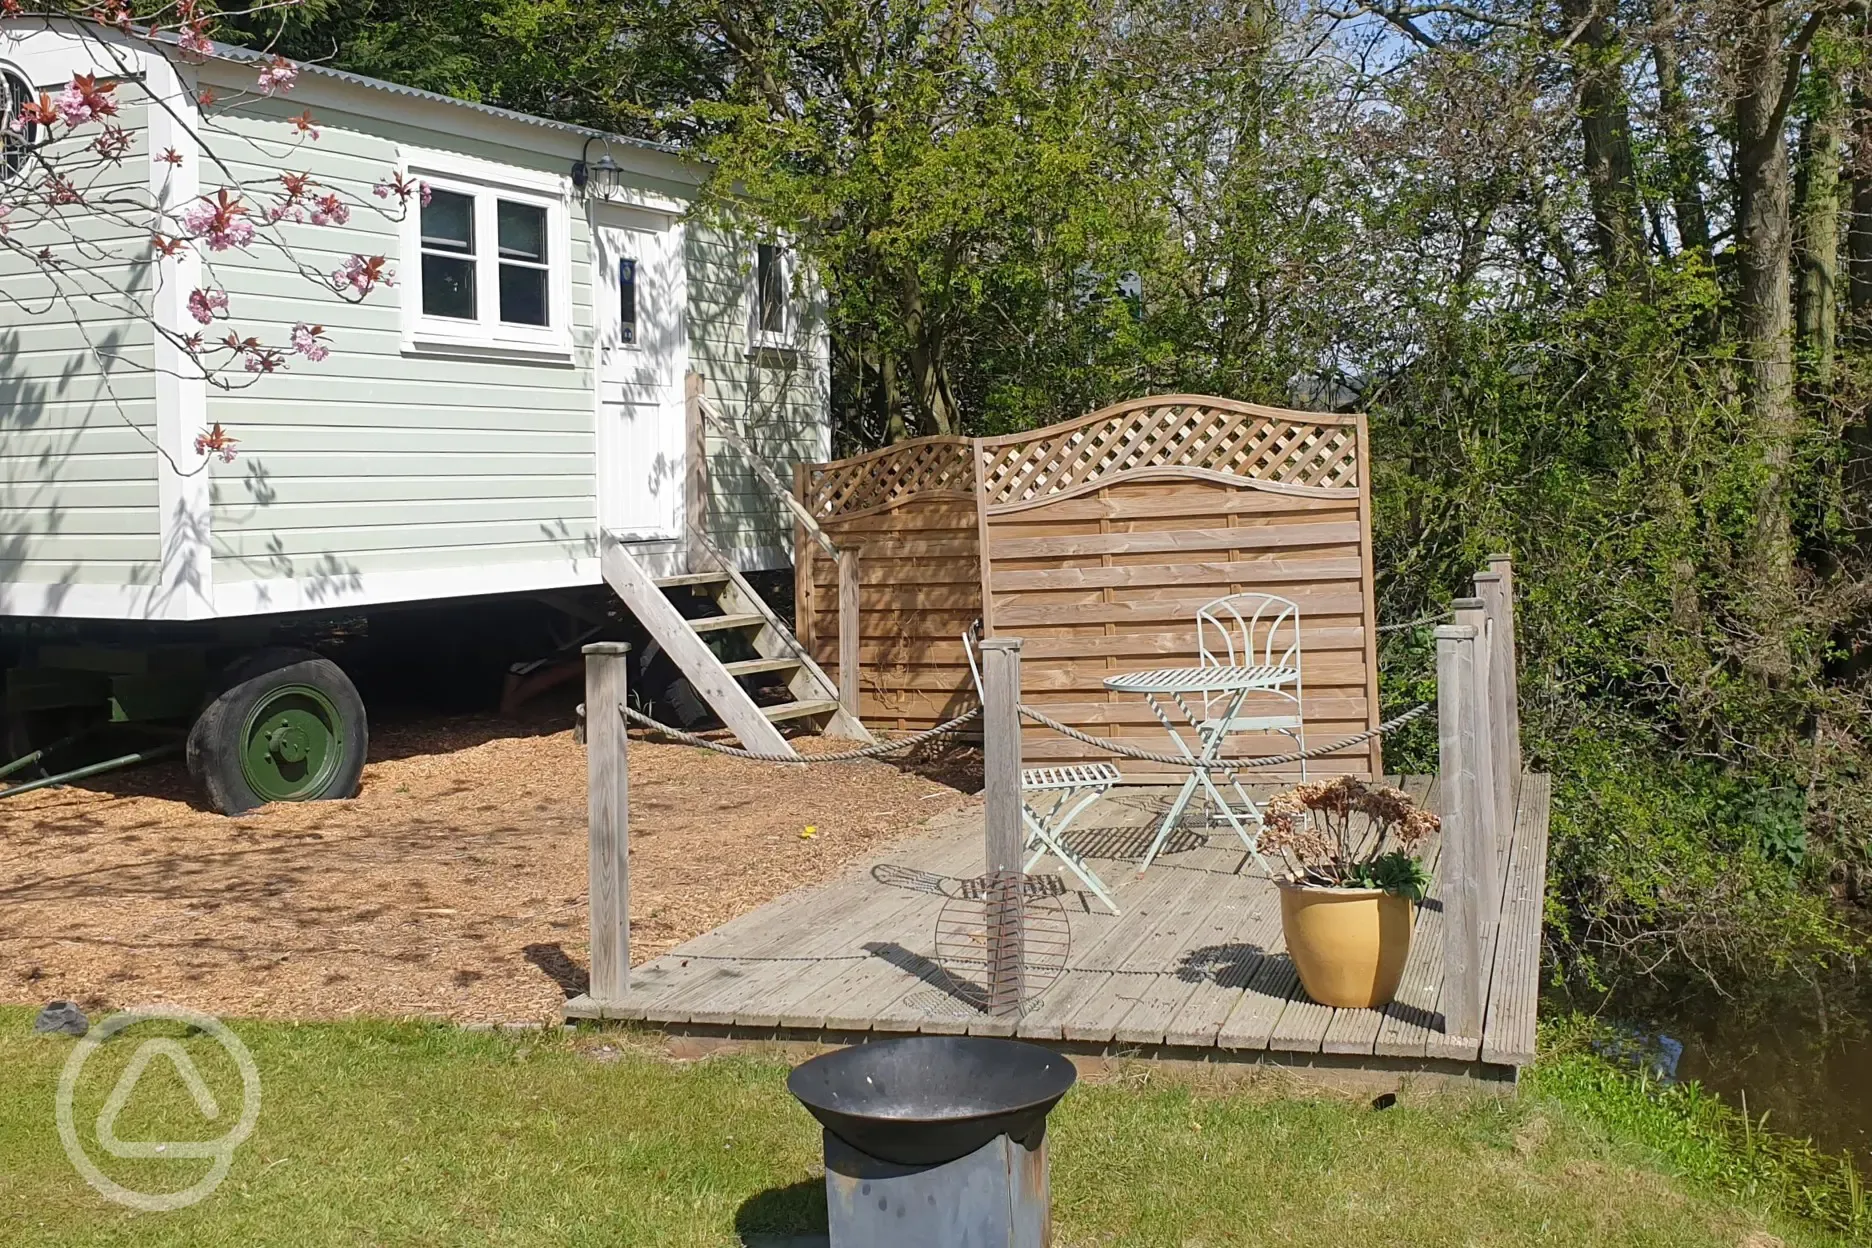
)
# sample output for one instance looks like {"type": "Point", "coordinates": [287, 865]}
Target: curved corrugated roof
{"type": "Point", "coordinates": [231, 52]}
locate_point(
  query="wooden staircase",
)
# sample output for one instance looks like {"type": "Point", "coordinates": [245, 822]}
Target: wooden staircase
{"type": "Point", "coordinates": [794, 690]}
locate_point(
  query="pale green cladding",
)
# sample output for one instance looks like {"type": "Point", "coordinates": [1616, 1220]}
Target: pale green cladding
{"type": "Point", "coordinates": [378, 459]}
{"type": "Point", "coordinates": [78, 493]}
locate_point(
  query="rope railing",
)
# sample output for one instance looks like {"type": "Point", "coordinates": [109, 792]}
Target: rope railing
{"type": "Point", "coordinates": [1439, 618]}
{"type": "Point", "coordinates": [844, 756]}
{"type": "Point", "coordinates": [1225, 765]}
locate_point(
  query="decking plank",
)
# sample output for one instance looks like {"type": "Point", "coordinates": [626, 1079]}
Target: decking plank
{"type": "Point", "coordinates": [764, 996]}
{"type": "Point", "coordinates": [715, 963]}
{"type": "Point", "coordinates": [1214, 917]}
{"type": "Point", "coordinates": [1201, 1016]}
{"type": "Point", "coordinates": [1141, 901]}
{"type": "Point", "coordinates": [1126, 976]}
{"type": "Point", "coordinates": [1508, 1034]}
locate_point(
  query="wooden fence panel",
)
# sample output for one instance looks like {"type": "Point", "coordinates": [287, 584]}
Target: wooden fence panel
{"type": "Point", "coordinates": [909, 512]}
{"type": "Point", "coordinates": [1095, 541]}
{"type": "Point", "coordinates": [1103, 536]}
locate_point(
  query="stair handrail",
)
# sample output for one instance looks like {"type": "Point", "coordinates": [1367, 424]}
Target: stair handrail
{"type": "Point", "coordinates": [729, 434]}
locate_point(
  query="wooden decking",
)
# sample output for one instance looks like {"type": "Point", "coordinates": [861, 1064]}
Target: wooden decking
{"type": "Point", "coordinates": [1194, 966]}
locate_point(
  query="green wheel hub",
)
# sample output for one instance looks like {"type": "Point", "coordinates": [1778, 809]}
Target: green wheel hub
{"type": "Point", "coordinates": [291, 744]}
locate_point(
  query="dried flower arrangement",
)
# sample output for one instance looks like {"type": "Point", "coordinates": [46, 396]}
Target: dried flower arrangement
{"type": "Point", "coordinates": [1344, 833]}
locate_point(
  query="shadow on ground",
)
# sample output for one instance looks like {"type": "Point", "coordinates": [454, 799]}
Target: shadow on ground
{"type": "Point", "coordinates": [779, 1214]}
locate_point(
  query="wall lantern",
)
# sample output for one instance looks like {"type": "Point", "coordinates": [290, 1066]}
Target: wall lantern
{"type": "Point", "coordinates": [599, 178]}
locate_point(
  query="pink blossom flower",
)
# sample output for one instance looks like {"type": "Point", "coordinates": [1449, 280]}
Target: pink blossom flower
{"type": "Point", "coordinates": [361, 275]}
{"type": "Point", "coordinates": [193, 39]}
{"type": "Point", "coordinates": [277, 75]}
{"type": "Point", "coordinates": [203, 304]}
{"type": "Point", "coordinates": [222, 222]}
{"type": "Point", "coordinates": [85, 100]}
{"type": "Point", "coordinates": [307, 340]}
{"type": "Point", "coordinates": [218, 442]}
{"type": "Point", "coordinates": [401, 187]}
{"type": "Point", "coordinates": [331, 211]}
{"type": "Point", "coordinates": [5, 210]}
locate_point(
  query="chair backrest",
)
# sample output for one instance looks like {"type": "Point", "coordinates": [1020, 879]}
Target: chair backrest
{"type": "Point", "coordinates": [1249, 630]}
{"type": "Point", "coordinates": [971, 641]}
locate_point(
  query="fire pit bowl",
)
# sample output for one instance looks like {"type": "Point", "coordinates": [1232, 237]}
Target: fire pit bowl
{"type": "Point", "coordinates": [926, 1100]}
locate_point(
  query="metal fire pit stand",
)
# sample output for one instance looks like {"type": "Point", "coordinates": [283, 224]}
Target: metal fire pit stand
{"type": "Point", "coordinates": [997, 1195]}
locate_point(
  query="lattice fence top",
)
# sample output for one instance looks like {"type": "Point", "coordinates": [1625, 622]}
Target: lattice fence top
{"type": "Point", "coordinates": [1303, 449]}
{"type": "Point", "coordinates": [880, 478]}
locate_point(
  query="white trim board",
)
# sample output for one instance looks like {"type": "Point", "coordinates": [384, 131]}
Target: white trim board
{"type": "Point", "coordinates": [181, 393]}
{"type": "Point", "coordinates": [357, 589]}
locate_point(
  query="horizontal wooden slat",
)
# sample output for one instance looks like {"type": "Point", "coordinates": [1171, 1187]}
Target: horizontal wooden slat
{"type": "Point", "coordinates": [1261, 537]}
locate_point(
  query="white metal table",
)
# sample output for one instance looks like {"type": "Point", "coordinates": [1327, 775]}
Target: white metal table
{"type": "Point", "coordinates": [1175, 686]}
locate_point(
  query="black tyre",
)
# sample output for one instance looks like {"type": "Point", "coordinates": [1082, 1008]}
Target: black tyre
{"type": "Point", "coordinates": [286, 726]}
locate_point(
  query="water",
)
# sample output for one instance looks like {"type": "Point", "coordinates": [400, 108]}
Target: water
{"type": "Point", "coordinates": [1801, 1054]}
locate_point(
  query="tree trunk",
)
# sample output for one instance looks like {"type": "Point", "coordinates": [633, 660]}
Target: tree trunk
{"type": "Point", "coordinates": [929, 374]}
{"type": "Point", "coordinates": [1817, 227]}
{"type": "Point", "coordinates": [1859, 240]}
{"type": "Point", "coordinates": [1605, 135]}
{"type": "Point", "coordinates": [1764, 239]}
{"type": "Point", "coordinates": [1686, 167]}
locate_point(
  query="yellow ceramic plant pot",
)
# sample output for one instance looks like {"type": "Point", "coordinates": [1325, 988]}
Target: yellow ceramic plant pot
{"type": "Point", "coordinates": [1349, 944]}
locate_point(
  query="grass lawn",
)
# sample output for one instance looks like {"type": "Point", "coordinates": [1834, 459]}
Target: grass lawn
{"type": "Point", "coordinates": [395, 1134]}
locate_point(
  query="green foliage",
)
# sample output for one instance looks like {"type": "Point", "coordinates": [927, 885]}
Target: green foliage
{"type": "Point", "coordinates": [1397, 872]}
{"type": "Point", "coordinates": [1696, 1134]}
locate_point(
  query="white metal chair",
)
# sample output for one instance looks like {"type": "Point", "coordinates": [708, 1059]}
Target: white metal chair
{"type": "Point", "coordinates": [1251, 642]}
{"type": "Point", "coordinates": [1073, 788]}
{"type": "Point", "coordinates": [1260, 632]}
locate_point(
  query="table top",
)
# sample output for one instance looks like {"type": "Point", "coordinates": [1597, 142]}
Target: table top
{"type": "Point", "coordinates": [1203, 679]}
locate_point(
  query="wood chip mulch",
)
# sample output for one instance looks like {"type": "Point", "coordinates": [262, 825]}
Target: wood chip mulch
{"type": "Point", "coordinates": [453, 886]}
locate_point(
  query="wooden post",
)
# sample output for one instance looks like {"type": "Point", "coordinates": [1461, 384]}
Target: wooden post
{"type": "Point", "coordinates": [607, 795]}
{"type": "Point", "coordinates": [1001, 822]}
{"type": "Point", "coordinates": [849, 633]}
{"type": "Point", "coordinates": [1468, 858]}
{"type": "Point", "coordinates": [1471, 612]}
{"type": "Point", "coordinates": [695, 476]}
{"type": "Point", "coordinates": [1504, 748]}
{"type": "Point", "coordinates": [1508, 702]}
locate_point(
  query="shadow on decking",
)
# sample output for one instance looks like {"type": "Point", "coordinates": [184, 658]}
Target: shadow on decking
{"type": "Point", "coordinates": [931, 972]}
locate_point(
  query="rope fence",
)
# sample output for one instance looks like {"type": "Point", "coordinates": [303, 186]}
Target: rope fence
{"type": "Point", "coordinates": [1224, 765]}
{"type": "Point", "coordinates": [844, 756]}
{"type": "Point", "coordinates": [1440, 617]}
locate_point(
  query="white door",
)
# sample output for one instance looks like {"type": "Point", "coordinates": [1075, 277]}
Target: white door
{"type": "Point", "coordinates": [641, 290]}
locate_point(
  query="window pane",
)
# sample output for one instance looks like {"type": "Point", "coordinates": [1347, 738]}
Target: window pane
{"type": "Point", "coordinates": [522, 230]}
{"type": "Point", "coordinates": [448, 222]}
{"type": "Point", "coordinates": [13, 144]}
{"type": "Point", "coordinates": [627, 300]}
{"type": "Point", "coordinates": [770, 283]}
{"type": "Point", "coordinates": [522, 294]}
{"type": "Point", "coordinates": [448, 287]}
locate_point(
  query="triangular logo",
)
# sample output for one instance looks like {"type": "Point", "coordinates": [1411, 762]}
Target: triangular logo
{"type": "Point", "coordinates": [146, 1053]}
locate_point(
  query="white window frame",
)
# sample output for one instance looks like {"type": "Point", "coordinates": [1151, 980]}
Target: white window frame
{"type": "Point", "coordinates": [786, 338]}
{"type": "Point", "coordinates": [488, 182]}
{"type": "Point", "coordinates": [18, 73]}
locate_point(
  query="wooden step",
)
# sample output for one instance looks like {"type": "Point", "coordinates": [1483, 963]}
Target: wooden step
{"type": "Point", "coordinates": [683, 579]}
{"type": "Point", "coordinates": [799, 710]}
{"type": "Point", "coordinates": [720, 623]}
{"type": "Point", "coordinates": [751, 667]}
